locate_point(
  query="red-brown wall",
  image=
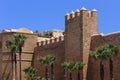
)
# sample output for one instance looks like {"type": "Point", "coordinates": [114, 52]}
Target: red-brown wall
{"type": "Point", "coordinates": [94, 67]}
{"type": "Point", "coordinates": [56, 49]}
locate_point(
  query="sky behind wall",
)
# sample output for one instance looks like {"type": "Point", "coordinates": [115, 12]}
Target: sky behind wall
{"type": "Point", "coordinates": [46, 15]}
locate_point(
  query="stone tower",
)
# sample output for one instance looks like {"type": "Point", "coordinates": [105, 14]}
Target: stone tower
{"type": "Point", "coordinates": [79, 27]}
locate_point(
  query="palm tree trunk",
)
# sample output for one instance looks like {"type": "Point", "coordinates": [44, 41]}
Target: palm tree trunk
{"type": "Point", "coordinates": [78, 75]}
{"type": "Point", "coordinates": [52, 73]}
{"type": "Point", "coordinates": [20, 51]}
{"type": "Point", "coordinates": [12, 66]}
{"type": "Point", "coordinates": [15, 67]}
{"type": "Point", "coordinates": [70, 76]}
{"type": "Point", "coordinates": [111, 68]}
{"type": "Point", "coordinates": [20, 64]}
{"type": "Point", "coordinates": [46, 73]}
{"type": "Point", "coordinates": [101, 71]}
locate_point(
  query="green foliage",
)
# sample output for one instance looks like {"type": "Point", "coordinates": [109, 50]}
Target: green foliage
{"type": "Point", "coordinates": [69, 66]}
{"type": "Point", "coordinates": [105, 52]}
{"type": "Point", "coordinates": [72, 66]}
{"type": "Point", "coordinates": [10, 44]}
{"type": "Point", "coordinates": [19, 39]}
{"type": "Point", "coordinates": [30, 74]}
{"type": "Point", "coordinates": [99, 53]}
{"type": "Point", "coordinates": [40, 78]}
{"type": "Point", "coordinates": [46, 60]}
{"type": "Point", "coordinates": [112, 50]}
{"type": "Point", "coordinates": [37, 32]}
{"type": "Point", "coordinates": [48, 35]}
{"type": "Point", "coordinates": [16, 42]}
{"type": "Point", "coordinates": [79, 66]}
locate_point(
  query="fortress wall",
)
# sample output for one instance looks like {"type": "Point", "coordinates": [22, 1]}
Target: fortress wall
{"type": "Point", "coordinates": [94, 67]}
{"type": "Point", "coordinates": [5, 59]}
{"type": "Point", "coordinates": [5, 55]}
{"type": "Point", "coordinates": [6, 68]}
{"type": "Point", "coordinates": [0, 42]}
{"type": "Point", "coordinates": [26, 62]}
{"type": "Point", "coordinates": [0, 62]}
{"type": "Point", "coordinates": [5, 37]}
{"type": "Point", "coordinates": [55, 48]}
{"type": "Point", "coordinates": [114, 38]}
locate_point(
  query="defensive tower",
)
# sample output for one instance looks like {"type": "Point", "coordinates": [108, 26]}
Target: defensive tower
{"type": "Point", "coordinates": [79, 27]}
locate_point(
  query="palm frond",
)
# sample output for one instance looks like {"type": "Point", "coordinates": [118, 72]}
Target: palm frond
{"type": "Point", "coordinates": [46, 60]}
{"type": "Point", "coordinates": [105, 52]}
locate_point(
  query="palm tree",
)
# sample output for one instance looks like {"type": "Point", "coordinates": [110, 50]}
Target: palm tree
{"type": "Point", "coordinates": [19, 40]}
{"type": "Point", "coordinates": [111, 50]}
{"type": "Point", "coordinates": [48, 60]}
{"type": "Point", "coordinates": [10, 44]}
{"type": "Point", "coordinates": [30, 74]}
{"type": "Point", "coordinates": [52, 58]}
{"type": "Point", "coordinates": [104, 52]}
{"type": "Point", "coordinates": [99, 54]}
{"type": "Point", "coordinates": [69, 67]}
{"type": "Point", "coordinates": [78, 66]}
{"type": "Point", "coordinates": [45, 61]}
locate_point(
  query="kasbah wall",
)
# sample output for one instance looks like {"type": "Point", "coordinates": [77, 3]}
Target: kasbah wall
{"type": "Point", "coordinates": [81, 36]}
{"type": "Point", "coordinates": [5, 55]}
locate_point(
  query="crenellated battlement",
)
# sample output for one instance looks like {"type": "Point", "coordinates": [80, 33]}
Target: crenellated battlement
{"type": "Point", "coordinates": [79, 13]}
{"type": "Point", "coordinates": [51, 41]}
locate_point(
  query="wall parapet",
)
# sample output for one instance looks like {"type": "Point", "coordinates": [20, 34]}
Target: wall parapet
{"type": "Point", "coordinates": [51, 41]}
{"type": "Point", "coordinates": [73, 15]}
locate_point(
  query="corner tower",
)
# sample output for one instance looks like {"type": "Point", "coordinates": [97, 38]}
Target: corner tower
{"type": "Point", "coordinates": [79, 27]}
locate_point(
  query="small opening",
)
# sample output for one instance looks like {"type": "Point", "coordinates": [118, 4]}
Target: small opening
{"type": "Point", "coordinates": [0, 45]}
{"type": "Point", "coordinates": [101, 71]}
{"type": "Point", "coordinates": [111, 68]}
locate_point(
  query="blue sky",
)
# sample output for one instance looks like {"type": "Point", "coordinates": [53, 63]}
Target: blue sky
{"type": "Point", "coordinates": [45, 15]}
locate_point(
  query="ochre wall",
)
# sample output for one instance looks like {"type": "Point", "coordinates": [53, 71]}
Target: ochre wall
{"type": "Point", "coordinates": [5, 55]}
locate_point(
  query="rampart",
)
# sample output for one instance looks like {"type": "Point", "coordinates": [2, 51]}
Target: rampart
{"type": "Point", "coordinates": [5, 55]}
{"type": "Point", "coordinates": [94, 66]}
{"type": "Point", "coordinates": [54, 47]}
